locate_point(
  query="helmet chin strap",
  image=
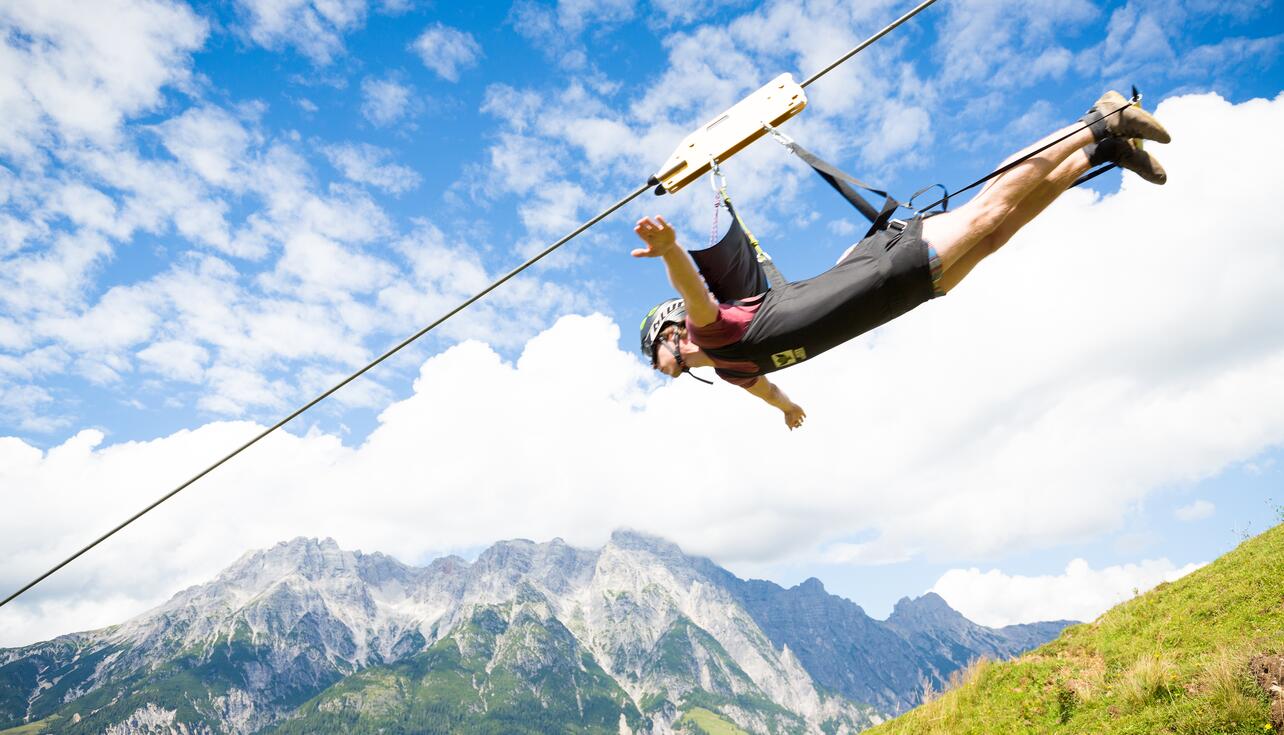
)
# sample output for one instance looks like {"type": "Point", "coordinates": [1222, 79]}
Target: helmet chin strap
{"type": "Point", "coordinates": [677, 356]}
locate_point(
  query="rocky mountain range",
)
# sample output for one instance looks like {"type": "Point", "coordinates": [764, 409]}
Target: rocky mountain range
{"type": "Point", "coordinates": [634, 637]}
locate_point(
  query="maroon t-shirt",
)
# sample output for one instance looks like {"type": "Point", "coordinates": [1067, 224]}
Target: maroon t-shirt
{"type": "Point", "coordinates": [730, 325]}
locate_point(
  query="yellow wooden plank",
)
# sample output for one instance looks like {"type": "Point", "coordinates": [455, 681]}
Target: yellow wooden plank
{"type": "Point", "coordinates": [727, 133]}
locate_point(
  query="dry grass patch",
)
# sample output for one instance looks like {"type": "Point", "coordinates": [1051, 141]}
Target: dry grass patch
{"type": "Point", "coordinates": [1087, 676]}
{"type": "Point", "coordinates": [1151, 678]}
{"type": "Point", "coordinates": [1228, 683]}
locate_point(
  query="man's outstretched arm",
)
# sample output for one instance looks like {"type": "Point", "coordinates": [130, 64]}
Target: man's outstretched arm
{"type": "Point", "coordinates": [661, 242]}
{"type": "Point", "coordinates": [771, 393]}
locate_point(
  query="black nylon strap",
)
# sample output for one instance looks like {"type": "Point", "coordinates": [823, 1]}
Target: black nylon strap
{"type": "Point", "coordinates": [843, 182]}
{"type": "Point", "coordinates": [1093, 174]}
{"type": "Point", "coordinates": [945, 202]}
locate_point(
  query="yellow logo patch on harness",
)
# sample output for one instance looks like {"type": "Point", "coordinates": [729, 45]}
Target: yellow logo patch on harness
{"type": "Point", "coordinates": [788, 357]}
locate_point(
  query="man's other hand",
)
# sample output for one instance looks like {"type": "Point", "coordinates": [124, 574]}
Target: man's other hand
{"type": "Point", "coordinates": [658, 236]}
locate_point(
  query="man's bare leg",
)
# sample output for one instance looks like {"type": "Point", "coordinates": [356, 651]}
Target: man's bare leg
{"type": "Point", "coordinates": [953, 234]}
{"type": "Point", "coordinates": [1038, 200]}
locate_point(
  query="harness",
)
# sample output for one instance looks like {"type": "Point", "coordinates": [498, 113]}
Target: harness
{"type": "Point", "coordinates": [739, 272]}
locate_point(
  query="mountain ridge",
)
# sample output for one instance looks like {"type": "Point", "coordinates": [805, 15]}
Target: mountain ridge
{"type": "Point", "coordinates": [268, 637]}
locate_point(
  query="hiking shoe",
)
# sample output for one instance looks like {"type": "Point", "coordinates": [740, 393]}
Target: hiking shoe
{"type": "Point", "coordinates": [1133, 122]}
{"type": "Point", "coordinates": [1127, 154]}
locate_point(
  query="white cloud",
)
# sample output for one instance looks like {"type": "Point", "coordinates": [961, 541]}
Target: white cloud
{"type": "Point", "coordinates": [176, 359]}
{"type": "Point", "coordinates": [447, 50]}
{"type": "Point", "coordinates": [581, 138]}
{"type": "Point", "coordinates": [384, 101]}
{"type": "Point", "coordinates": [682, 11]}
{"type": "Point", "coordinates": [234, 390]}
{"type": "Point", "coordinates": [55, 277]}
{"type": "Point", "coordinates": [1029, 365]}
{"type": "Point", "coordinates": [368, 164]}
{"type": "Point", "coordinates": [75, 71]}
{"type": "Point", "coordinates": [315, 27]}
{"type": "Point", "coordinates": [1011, 43]}
{"type": "Point", "coordinates": [123, 317]}
{"type": "Point", "coordinates": [210, 142]}
{"type": "Point", "coordinates": [1255, 469]}
{"type": "Point", "coordinates": [1149, 39]}
{"type": "Point", "coordinates": [1082, 593]}
{"type": "Point", "coordinates": [157, 194]}
{"type": "Point", "coordinates": [30, 408]}
{"type": "Point", "coordinates": [567, 19]}
{"type": "Point", "coordinates": [1054, 421]}
{"type": "Point", "coordinates": [1196, 511]}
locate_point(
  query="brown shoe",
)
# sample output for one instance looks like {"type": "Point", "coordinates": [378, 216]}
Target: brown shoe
{"type": "Point", "coordinates": [1132, 122]}
{"type": "Point", "coordinates": [1127, 154]}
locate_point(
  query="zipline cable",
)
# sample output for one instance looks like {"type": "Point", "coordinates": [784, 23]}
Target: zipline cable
{"type": "Point", "coordinates": [636, 193]}
{"type": "Point", "coordinates": [589, 223]}
{"type": "Point", "coordinates": [867, 42]}
{"type": "Point", "coordinates": [1136, 99]}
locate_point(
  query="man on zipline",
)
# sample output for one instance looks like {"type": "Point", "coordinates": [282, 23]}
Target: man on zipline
{"type": "Point", "coordinates": [881, 277]}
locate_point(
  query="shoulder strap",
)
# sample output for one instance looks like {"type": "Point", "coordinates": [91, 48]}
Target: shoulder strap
{"type": "Point", "coordinates": [768, 266]}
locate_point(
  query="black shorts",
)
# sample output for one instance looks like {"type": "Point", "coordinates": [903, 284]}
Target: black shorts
{"type": "Point", "coordinates": [886, 275]}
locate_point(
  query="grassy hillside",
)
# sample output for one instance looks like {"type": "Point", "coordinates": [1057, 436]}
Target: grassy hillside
{"type": "Point", "coordinates": [1174, 660]}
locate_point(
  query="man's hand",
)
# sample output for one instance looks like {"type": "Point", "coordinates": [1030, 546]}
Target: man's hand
{"type": "Point", "coordinates": [658, 236]}
{"type": "Point", "coordinates": [794, 416]}
{"type": "Point", "coordinates": [662, 242]}
{"type": "Point", "coordinates": [771, 393]}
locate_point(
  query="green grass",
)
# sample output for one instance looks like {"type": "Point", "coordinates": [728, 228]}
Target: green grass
{"type": "Point", "coordinates": [708, 723]}
{"type": "Point", "coordinates": [1174, 660]}
{"type": "Point", "coordinates": [33, 728]}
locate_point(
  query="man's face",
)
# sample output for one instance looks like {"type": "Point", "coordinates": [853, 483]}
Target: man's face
{"type": "Point", "coordinates": [665, 346]}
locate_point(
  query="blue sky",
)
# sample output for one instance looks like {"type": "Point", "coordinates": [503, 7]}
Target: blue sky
{"type": "Point", "coordinates": [209, 212]}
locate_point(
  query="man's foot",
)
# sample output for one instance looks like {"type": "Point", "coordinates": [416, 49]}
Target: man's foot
{"type": "Point", "coordinates": [1133, 122]}
{"type": "Point", "coordinates": [1127, 154]}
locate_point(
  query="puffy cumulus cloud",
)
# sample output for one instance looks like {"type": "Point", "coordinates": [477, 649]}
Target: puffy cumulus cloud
{"type": "Point", "coordinates": [1072, 376]}
{"type": "Point", "coordinates": [316, 474]}
{"type": "Point", "coordinates": [211, 142]}
{"type": "Point", "coordinates": [445, 272]}
{"type": "Point", "coordinates": [1010, 42]}
{"type": "Point", "coordinates": [124, 316]}
{"type": "Point", "coordinates": [1082, 593]}
{"type": "Point", "coordinates": [30, 408]}
{"type": "Point", "coordinates": [74, 71]}
{"type": "Point", "coordinates": [175, 359]}
{"type": "Point", "coordinates": [314, 27]}
{"type": "Point", "coordinates": [157, 195]}
{"type": "Point", "coordinates": [293, 291]}
{"type": "Point", "coordinates": [1157, 38]}
{"type": "Point", "coordinates": [384, 101]}
{"type": "Point", "coordinates": [56, 276]}
{"type": "Point", "coordinates": [446, 50]}
{"type": "Point", "coordinates": [368, 164]}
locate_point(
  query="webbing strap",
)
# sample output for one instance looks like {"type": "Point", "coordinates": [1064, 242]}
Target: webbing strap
{"type": "Point", "coordinates": [1094, 174]}
{"type": "Point", "coordinates": [843, 183]}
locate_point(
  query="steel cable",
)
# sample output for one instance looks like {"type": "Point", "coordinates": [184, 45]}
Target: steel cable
{"type": "Point", "coordinates": [496, 284]}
